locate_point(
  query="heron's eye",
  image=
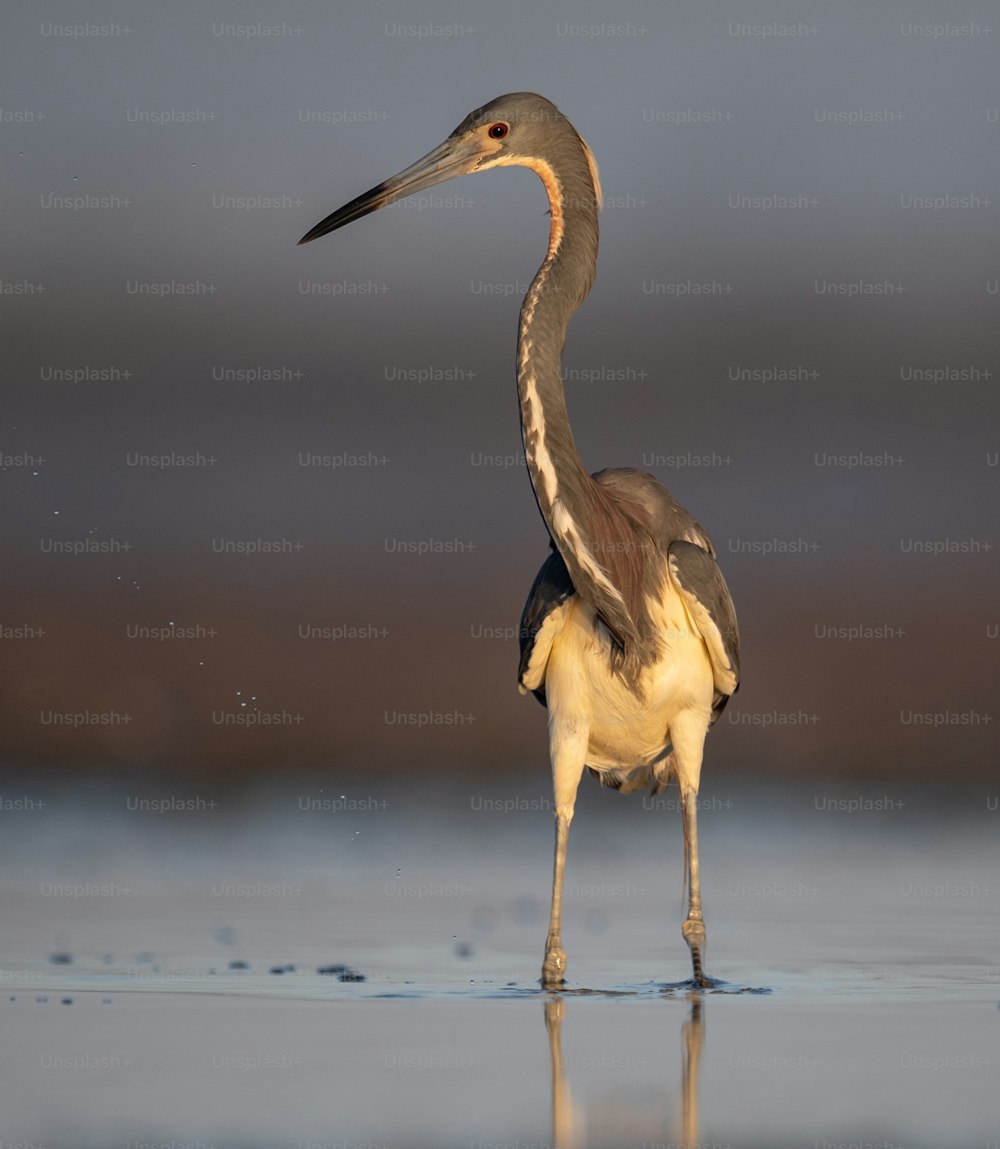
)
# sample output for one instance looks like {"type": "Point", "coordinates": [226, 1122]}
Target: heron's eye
{"type": "Point", "coordinates": [498, 131]}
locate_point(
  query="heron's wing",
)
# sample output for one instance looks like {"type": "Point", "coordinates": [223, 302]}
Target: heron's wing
{"type": "Point", "coordinates": [541, 620]}
{"type": "Point", "coordinates": [699, 581]}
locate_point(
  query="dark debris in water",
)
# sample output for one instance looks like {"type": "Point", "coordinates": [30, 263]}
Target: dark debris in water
{"type": "Point", "coordinates": [341, 972]}
{"type": "Point", "coordinates": [238, 965]}
{"type": "Point", "coordinates": [282, 969]}
{"type": "Point", "coordinates": [61, 958]}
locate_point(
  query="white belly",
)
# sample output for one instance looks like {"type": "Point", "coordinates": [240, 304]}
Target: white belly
{"type": "Point", "coordinates": [622, 730]}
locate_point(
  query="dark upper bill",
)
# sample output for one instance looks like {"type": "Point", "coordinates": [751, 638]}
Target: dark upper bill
{"type": "Point", "coordinates": [455, 157]}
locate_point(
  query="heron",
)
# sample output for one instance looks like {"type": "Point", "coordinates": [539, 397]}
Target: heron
{"type": "Point", "coordinates": [629, 635]}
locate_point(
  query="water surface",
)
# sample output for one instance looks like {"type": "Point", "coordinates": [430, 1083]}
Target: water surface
{"type": "Point", "coordinates": [161, 980]}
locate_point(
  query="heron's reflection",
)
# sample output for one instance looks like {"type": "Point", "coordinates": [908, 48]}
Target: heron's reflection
{"type": "Point", "coordinates": [567, 1118]}
{"type": "Point", "coordinates": [692, 1041]}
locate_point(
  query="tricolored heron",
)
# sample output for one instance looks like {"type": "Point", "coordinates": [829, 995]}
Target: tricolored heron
{"type": "Point", "coordinates": [629, 634]}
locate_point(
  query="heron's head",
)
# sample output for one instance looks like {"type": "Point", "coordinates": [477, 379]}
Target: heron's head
{"type": "Point", "coordinates": [521, 128]}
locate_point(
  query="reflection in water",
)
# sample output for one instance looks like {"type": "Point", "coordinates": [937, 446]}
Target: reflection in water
{"type": "Point", "coordinates": [566, 1126]}
{"type": "Point", "coordinates": [567, 1119]}
{"type": "Point", "coordinates": [692, 1041]}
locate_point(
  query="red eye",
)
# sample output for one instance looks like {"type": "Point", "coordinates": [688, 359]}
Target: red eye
{"type": "Point", "coordinates": [498, 131]}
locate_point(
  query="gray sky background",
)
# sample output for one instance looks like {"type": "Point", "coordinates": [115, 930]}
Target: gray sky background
{"type": "Point", "coordinates": [180, 145]}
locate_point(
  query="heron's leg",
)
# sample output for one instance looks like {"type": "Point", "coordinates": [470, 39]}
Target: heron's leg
{"type": "Point", "coordinates": [554, 965]}
{"type": "Point", "coordinates": [688, 735]}
{"type": "Point", "coordinates": [568, 743]}
{"type": "Point", "coordinates": [693, 928]}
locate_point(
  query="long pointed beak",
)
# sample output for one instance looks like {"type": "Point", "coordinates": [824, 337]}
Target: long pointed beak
{"type": "Point", "coordinates": [452, 158]}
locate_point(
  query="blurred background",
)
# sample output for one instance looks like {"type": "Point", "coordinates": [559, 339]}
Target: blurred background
{"type": "Point", "coordinates": [264, 506]}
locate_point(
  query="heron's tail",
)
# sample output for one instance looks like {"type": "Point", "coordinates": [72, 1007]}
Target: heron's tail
{"type": "Point", "coordinates": [627, 781]}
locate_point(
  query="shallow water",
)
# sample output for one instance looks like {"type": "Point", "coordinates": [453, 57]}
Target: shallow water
{"type": "Point", "coordinates": [873, 933]}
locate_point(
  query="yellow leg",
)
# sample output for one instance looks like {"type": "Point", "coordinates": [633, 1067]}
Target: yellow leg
{"type": "Point", "coordinates": [568, 746]}
{"type": "Point", "coordinates": [688, 736]}
{"type": "Point", "coordinates": [693, 928]}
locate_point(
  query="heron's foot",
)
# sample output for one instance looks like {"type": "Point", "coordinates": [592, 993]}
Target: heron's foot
{"type": "Point", "coordinates": [553, 968]}
{"type": "Point", "coordinates": [694, 934]}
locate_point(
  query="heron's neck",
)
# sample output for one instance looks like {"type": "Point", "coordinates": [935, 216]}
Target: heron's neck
{"type": "Point", "coordinates": [560, 286]}
{"type": "Point", "coordinates": [596, 541]}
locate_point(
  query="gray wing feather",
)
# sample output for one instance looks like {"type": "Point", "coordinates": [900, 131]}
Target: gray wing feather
{"type": "Point", "coordinates": [551, 588]}
{"type": "Point", "coordinates": [699, 579]}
